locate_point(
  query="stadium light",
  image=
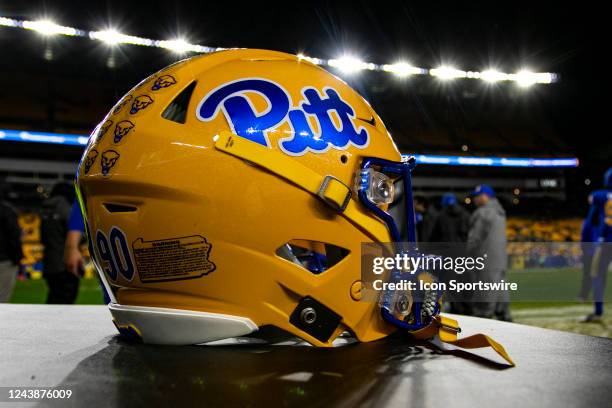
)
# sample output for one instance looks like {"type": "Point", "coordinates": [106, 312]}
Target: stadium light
{"type": "Point", "coordinates": [9, 22]}
{"type": "Point", "coordinates": [493, 76]}
{"type": "Point", "coordinates": [402, 69]}
{"type": "Point", "coordinates": [180, 46]}
{"type": "Point", "coordinates": [350, 65]}
{"type": "Point", "coordinates": [545, 78]}
{"type": "Point", "coordinates": [48, 27]}
{"type": "Point", "coordinates": [312, 60]}
{"type": "Point", "coordinates": [347, 64]}
{"type": "Point", "coordinates": [446, 73]}
{"type": "Point", "coordinates": [110, 37]}
{"type": "Point", "coordinates": [525, 79]}
{"type": "Point", "coordinates": [113, 37]}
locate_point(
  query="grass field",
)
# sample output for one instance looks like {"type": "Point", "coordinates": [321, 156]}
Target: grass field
{"type": "Point", "coordinates": [556, 286]}
{"type": "Point", "coordinates": [546, 298]}
{"type": "Point", "coordinates": [565, 318]}
{"type": "Point", "coordinates": [35, 291]}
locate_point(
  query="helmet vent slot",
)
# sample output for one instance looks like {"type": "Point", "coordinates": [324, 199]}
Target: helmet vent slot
{"type": "Point", "coordinates": [313, 256]}
{"type": "Point", "coordinates": [177, 110]}
{"type": "Point", "coordinates": [119, 208]}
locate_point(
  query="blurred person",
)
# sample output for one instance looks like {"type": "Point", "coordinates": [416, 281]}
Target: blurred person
{"type": "Point", "coordinates": [426, 216]}
{"type": "Point", "coordinates": [73, 257]}
{"type": "Point", "coordinates": [10, 246]}
{"type": "Point", "coordinates": [600, 219]}
{"type": "Point", "coordinates": [453, 220]}
{"type": "Point", "coordinates": [452, 227]}
{"type": "Point", "coordinates": [487, 235]}
{"type": "Point", "coordinates": [63, 286]}
{"type": "Point", "coordinates": [587, 237]}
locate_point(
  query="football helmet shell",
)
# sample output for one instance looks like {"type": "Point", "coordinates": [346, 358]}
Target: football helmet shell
{"type": "Point", "coordinates": [160, 180]}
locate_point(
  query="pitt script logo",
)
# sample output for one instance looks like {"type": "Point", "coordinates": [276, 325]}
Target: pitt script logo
{"type": "Point", "coordinates": [231, 98]}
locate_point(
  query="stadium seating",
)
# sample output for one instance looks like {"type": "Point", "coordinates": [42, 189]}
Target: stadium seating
{"type": "Point", "coordinates": [534, 230]}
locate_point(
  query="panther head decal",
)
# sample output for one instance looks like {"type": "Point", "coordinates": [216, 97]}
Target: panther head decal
{"type": "Point", "coordinates": [141, 103]}
{"type": "Point", "coordinates": [124, 102]}
{"type": "Point", "coordinates": [109, 159]}
{"type": "Point", "coordinates": [163, 81]}
{"type": "Point", "coordinates": [104, 128]}
{"type": "Point", "coordinates": [90, 160]}
{"type": "Point", "coordinates": [122, 129]}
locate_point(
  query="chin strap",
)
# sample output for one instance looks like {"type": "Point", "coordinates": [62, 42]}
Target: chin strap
{"type": "Point", "coordinates": [446, 329]}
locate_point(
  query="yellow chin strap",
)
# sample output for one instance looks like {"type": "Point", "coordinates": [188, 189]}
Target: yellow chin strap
{"type": "Point", "coordinates": [446, 329]}
{"type": "Point", "coordinates": [338, 196]}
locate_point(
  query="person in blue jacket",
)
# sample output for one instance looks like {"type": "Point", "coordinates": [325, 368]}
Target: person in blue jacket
{"type": "Point", "coordinates": [600, 219]}
{"type": "Point", "coordinates": [587, 236]}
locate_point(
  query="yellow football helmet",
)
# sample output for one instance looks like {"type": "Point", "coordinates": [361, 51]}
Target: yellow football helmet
{"type": "Point", "coordinates": [233, 191]}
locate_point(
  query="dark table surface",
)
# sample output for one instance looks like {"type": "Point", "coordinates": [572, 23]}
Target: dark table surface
{"type": "Point", "coordinates": [75, 347]}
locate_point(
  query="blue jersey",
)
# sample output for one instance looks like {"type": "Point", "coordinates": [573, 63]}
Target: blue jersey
{"type": "Point", "coordinates": [587, 233]}
{"type": "Point", "coordinates": [600, 215]}
{"type": "Point", "coordinates": [75, 222]}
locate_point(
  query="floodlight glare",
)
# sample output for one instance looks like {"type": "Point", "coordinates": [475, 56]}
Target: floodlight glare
{"type": "Point", "coordinates": [545, 78]}
{"type": "Point", "coordinates": [348, 65]}
{"type": "Point", "coordinates": [312, 60]}
{"type": "Point", "coordinates": [446, 73]}
{"type": "Point", "coordinates": [48, 27]}
{"type": "Point", "coordinates": [492, 75]}
{"type": "Point", "coordinates": [180, 46]}
{"type": "Point", "coordinates": [111, 37]}
{"type": "Point", "coordinates": [8, 22]}
{"type": "Point", "coordinates": [401, 69]}
{"type": "Point", "coordinates": [525, 78]}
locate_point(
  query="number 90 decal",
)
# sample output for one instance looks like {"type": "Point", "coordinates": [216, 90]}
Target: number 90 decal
{"type": "Point", "coordinates": [114, 254]}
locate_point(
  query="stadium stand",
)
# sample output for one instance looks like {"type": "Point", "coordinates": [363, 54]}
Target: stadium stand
{"type": "Point", "coordinates": [535, 230]}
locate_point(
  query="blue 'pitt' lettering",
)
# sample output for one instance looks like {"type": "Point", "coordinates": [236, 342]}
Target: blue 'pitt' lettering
{"type": "Point", "coordinates": [240, 113]}
{"type": "Point", "coordinates": [246, 122]}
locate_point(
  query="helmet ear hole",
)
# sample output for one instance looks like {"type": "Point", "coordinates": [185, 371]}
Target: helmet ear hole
{"type": "Point", "coordinates": [119, 208]}
{"type": "Point", "coordinates": [314, 256]}
{"type": "Point", "coordinates": [344, 159]}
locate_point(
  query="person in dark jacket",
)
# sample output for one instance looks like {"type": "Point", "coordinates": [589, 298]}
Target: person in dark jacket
{"type": "Point", "coordinates": [10, 246]}
{"type": "Point", "coordinates": [426, 216]}
{"type": "Point", "coordinates": [453, 220]}
{"type": "Point", "coordinates": [63, 286]}
{"type": "Point", "coordinates": [452, 227]}
{"type": "Point", "coordinates": [487, 237]}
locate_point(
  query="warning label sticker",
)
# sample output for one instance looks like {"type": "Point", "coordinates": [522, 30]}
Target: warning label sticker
{"type": "Point", "coordinates": [172, 259]}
